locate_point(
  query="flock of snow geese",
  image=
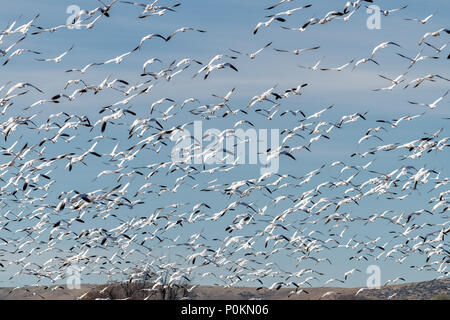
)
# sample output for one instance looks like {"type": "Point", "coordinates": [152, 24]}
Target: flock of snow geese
{"type": "Point", "coordinates": [141, 213]}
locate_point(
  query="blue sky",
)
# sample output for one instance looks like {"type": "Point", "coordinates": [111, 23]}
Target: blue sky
{"type": "Point", "coordinates": [229, 24]}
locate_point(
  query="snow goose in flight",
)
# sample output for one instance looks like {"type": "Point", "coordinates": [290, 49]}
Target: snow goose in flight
{"type": "Point", "coordinates": [24, 28]}
{"type": "Point", "coordinates": [4, 52]}
{"type": "Point", "coordinates": [314, 67]}
{"type": "Point", "coordinates": [7, 31]}
{"type": "Point", "coordinates": [338, 68]}
{"type": "Point", "coordinates": [52, 29]}
{"type": "Point", "coordinates": [329, 293]}
{"type": "Point", "coordinates": [219, 66]}
{"type": "Point", "coordinates": [388, 12]}
{"type": "Point", "coordinates": [183, 29]}
{"type": "Point", "coordinates": [297, 292]}
{"type": "Point", "coordinates": [252, 55]}
{"type": "Point", "coordinates": [319, 113]}
{"type": "Point", "coordinates": [438, 50]}
{"type": "Point", "coordinates": [394, 82]}
{"type": "Point", "coordinates": [423, 21]}
{"type": "Point", "coordinates": [152, 107]}
{"type": "Point", "coordinates": [432, 105]}
{"type": "Point", "coordinates": [105, 9]}
{"type": "Point", "coordinates": [298, 51]}
{"type": "Point", "coordinates": [226, 98]}
{"type": "Point", "coordinates": [267, 23]}
{"type": "Point", "coordinates": [21, 85]}
{"type": "Point", "coordinates": [148, 37]}
{"type": "Point", "coordinates": [364, 60]}
{"type": "Point", "coordinates": [382, 46]}
{"type": "Point", "coordinates": [119, 59]}
{"type": "Point", "coordinates": [84, 69]}
{"type": "Point", "coordinates": [311, 21]}
{"type": "Point", "coordinates": [417, 58]}
{"type": "Point", "coordinates": [429, 77]}
{"type": "Point", "coordinates": [350, 272]}
{"type": "Point", "coordinates": [278, 4]}
{"type": "Point", "coordinates": [40, 102]}
{"type": "Point", "coordinates": [347, 17]}
{"type": "Point", "coordinates": [160, 11]}
{"type": "Point", "coordinates": [149, 62]}
{"type": "Point", "coordinates": [288, 12]}
{"type": "Point", "coordinates": [436, 33]}
{"type": "Point", "coordinates": [58, 58]}
{"type": "Point", "coordinates": [17, 52]}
